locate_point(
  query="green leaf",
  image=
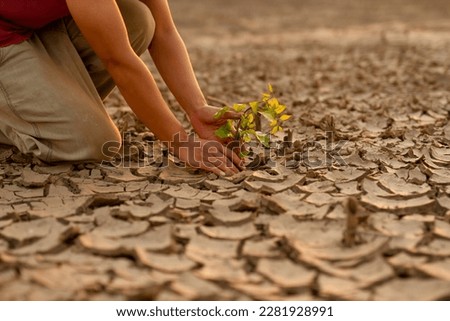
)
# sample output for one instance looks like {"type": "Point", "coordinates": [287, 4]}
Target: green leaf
{"type": "Point", "coordinates": [263, 139]}
{"type": "Point", "coordinates": [221, 112]}
{"type": "Point", "coordinates": [225, 131]}
{"type": "Point", "coordinates": [285, 117]}
{"type": "Point", "coordinates": [279, 109]}
{"type": "Point", "coordinates": [275, 130]}
{"type": "Point", "coordinates": [243, 130]}
{"type": "Point", "coordinates": [247, 138]}
{"type": "Point", "coordinates": [247, 121]}
{"type": "Point", "coordinates": [273, 102]}
{"type": "Point", "coordinates": [244, 154]}
{"type": "Point", "coordinates": [266, 97]}
{"type": "Point", "coordinates": [248, 132]}
{"type": "Point", "coordinates": [268, 115]}
{"type": "Point", "coordinates": [254, 106]}
{"type": "Point", "coordinates": [239, 107]}
{"type": "Point", "coordinates": [268, 108]}
{"type": "Point", "coordinates": [251, 118]}
{"type": "Point", "coordinates": [246, 135]}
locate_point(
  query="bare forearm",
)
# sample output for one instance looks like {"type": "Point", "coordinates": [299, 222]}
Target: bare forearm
{"type": "Point", "coordinates": [140, 91]}
{"type": "Point", "coordinates": [102, 25]}
{"type": "Point", "coordinates": [172, 60]}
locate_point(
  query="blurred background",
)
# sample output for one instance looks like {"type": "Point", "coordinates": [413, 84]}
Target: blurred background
{"type": "Point", "coordinates": [263, 16]}
{"type": "Point", "coordinates": [308, 48]}
{"type": "Point", "coordinates": [352, 59]}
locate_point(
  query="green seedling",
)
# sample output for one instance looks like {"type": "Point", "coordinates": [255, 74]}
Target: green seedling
{"type": "Point", "coordinates": [249, 128]}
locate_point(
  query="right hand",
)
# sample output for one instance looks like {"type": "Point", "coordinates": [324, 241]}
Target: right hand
{"type": "Point", "coordinates": [205, 124]}
{"type": "Point", "coordinates": [209, 155]}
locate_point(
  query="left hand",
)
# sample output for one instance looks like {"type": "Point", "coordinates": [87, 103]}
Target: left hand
{"type": "Point", "coordinates": [205, 124]}
{"type": "Point", "coordinates": [206, 154]}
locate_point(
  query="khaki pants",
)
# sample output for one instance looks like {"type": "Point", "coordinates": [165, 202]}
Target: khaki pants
{"type": "Point", "coordinates": [52, 87]}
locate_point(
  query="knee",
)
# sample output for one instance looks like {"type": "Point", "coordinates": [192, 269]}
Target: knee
{"type": "Point", "coordinates": [77, 144]}
{"type": "Point", "coordinates": [87, 144]}
{"type": "Point", "coordinates": [104, 144]}
{"type": "Point", "coordinates": [139, 22]}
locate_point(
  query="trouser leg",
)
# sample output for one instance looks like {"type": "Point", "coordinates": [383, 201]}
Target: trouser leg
{"type": "Point", "coordinates": [48, 104]}
{"type": "Point", "coordinates": [49, 100]}
{"type": "Point", "coordinates": [4, 140]}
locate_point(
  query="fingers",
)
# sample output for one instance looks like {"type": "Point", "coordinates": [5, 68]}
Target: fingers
{"type": "Point", "coordinates": [232, 115]}
{"type": "Point", "coordinates": [234, 157]}
{"type": "Point", "coordinates": [219, 167]}
{"type": "Point", "coordinates": [222, 158]}
{"type": "Point", "coordinates": [211, 168]}
{"type": "Point", "coordinates": [213, 157]}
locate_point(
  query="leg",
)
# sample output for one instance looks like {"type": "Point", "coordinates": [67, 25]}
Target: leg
{"type": "Point", "coordinates": [48, 103]}
{"type": "Point", "coordinates": [140, 26]}
{"type": "Point", "coordinates": [4, 140]}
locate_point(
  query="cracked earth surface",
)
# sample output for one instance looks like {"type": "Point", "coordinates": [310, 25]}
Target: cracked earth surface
{"type": "Point", "coordinates": [356, 208]}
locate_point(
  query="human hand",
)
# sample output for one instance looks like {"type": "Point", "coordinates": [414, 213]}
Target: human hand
{"type": "Point", "coordinates": [205, 124]}
{"type": "Point", "coordinates": [209, 155]}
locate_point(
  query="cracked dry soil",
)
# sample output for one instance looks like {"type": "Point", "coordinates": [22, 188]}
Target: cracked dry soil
{"type": "Point", "coordinates": [370, 222]}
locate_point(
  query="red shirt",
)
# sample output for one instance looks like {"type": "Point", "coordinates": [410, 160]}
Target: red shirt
{"type": "Point", "coordinates": [19, 18]}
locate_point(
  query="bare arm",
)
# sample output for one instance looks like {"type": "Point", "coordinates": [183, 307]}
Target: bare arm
{"type": "Point", "coordinates": [172, 60]}
{"type": "Point", "coordinates": [102, 25]}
